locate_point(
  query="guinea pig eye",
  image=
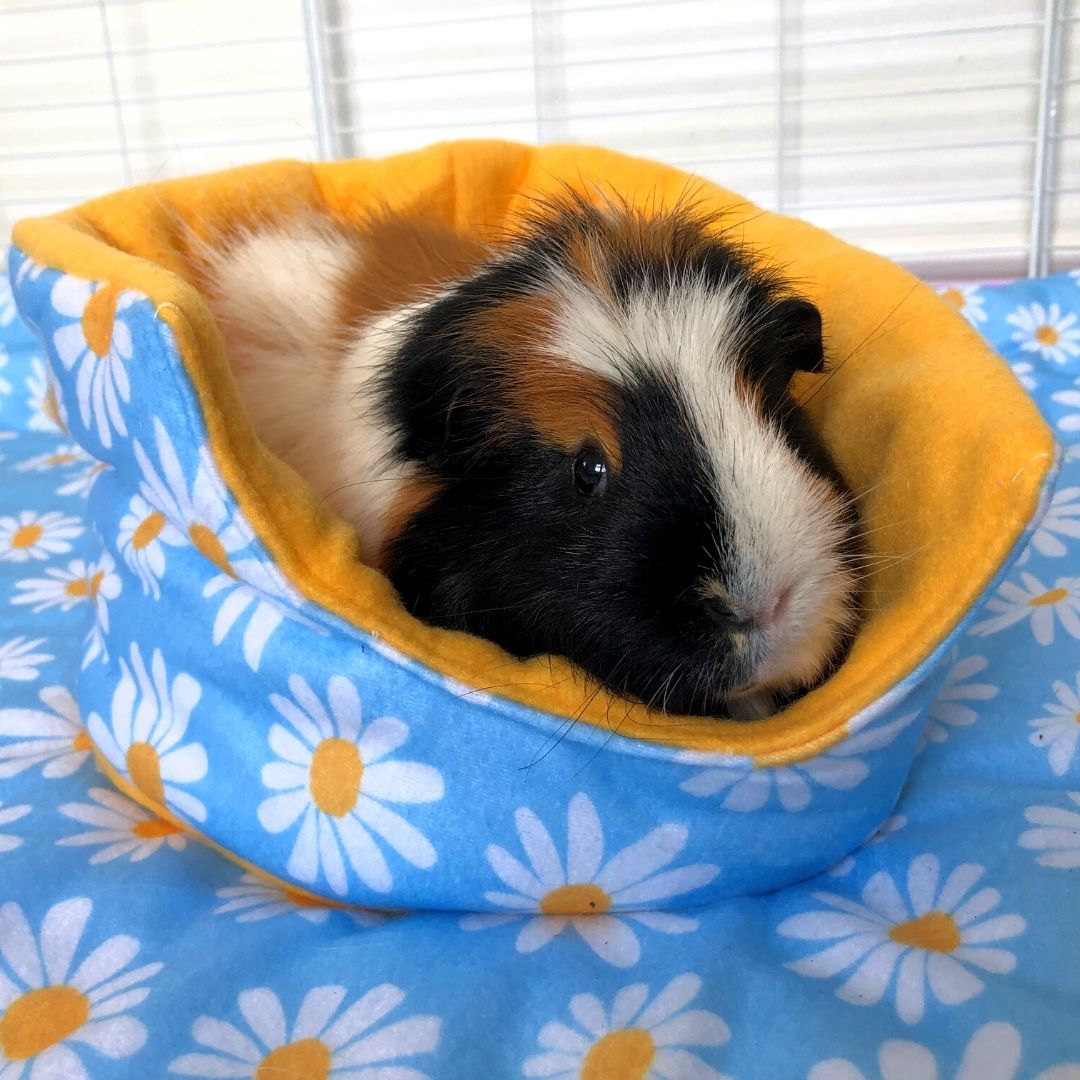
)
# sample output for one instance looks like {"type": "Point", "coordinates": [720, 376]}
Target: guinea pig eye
{"type": "Point", "coordinates": [590, 472]}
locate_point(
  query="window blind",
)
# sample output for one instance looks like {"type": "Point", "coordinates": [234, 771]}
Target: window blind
{"type": "Point", "coordinates": [944, 136]}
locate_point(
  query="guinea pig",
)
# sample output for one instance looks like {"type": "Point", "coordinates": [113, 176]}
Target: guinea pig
{"type": "Point", "coordinates": [580, 440]}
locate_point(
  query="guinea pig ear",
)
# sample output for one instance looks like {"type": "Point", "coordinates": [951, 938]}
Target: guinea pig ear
{"type": "Point", "coordinates": [799, 325]}
{"type": "Point", "coordinates": [434, 397]}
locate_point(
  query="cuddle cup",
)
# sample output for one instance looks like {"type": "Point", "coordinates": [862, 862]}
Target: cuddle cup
{"type": "Point", "coordinates": [249, 678]}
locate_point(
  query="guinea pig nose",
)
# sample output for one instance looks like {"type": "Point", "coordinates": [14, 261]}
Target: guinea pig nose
{"type": "Point", "coordinates": [724, 615]}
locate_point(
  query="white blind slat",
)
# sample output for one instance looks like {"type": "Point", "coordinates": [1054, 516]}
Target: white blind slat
{"type": "Point", "coordinates": [905, 127]}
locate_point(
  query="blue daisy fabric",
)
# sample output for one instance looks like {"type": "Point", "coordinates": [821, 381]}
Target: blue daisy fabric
{"type": "Point", "coordinates": [138, 607]}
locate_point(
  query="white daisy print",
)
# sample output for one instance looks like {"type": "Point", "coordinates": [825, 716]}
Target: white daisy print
{"type": "Point", "coordinates": [80, 582]}
{"type": "Point", "coordinates": [259, 592]}
{"type": "Point", "coordinates": [108, 589]}
{"type": "Point", "coordinates": [7, 302]}
{"type": "Point", "coordinates": [28, 270]}
{"type": "Point", "coordinates": [1070, 422]}
{"type": "Point", "coordinates": [334, 776]}
{"type": "Point", "coordinates": [44, 400]}
{"type": "Point", "coordinates": [144, 532]}
{"type": "Point", "coordinates": [120, 828]}
{"type": "Point", "coordinates": [1056, 836]}
{"type": "Point", "coordinates": [18, 660]}
{"type": "Point", "coordinates": [30, 535]}
{"type": "Point", "coordinates": [1044, 607]}
{"type": "Point", "coordinates": [891, 825]}
{"type": "Point", "coordinates": [931, 940]}
{"type": "Point", "coordinates": [202, 512]}
{"type": "Point", "coordinates": [144, 735]}
{"type": "Point", "coordinates": [948, 709]}
{"type": "Point", "coordinates": [323, 1040]}
{"type": "Point", "coordinates": [1044, 330]}
{"type": "Point", "coordinates": [52, 737]}
{"type": "Point", "coordinates": [745, 788]}
{"type": "Point", "coordinates": [597, 899]}
{"type": "Point", "coordinates": [82, 480]}
{"type": "Point", "coordinates": [9, 815]}
{"type": "Point", "coordinates": [992, 1053]}
{"type": "Point", "coordinates": [967, 300]}
{"type": "Point", "coordinates": [1025, 374]}
{"type": "Point", "coordinates": [93, 583]}
{"type": "Point", "coordinates": [1062, 520]}
{"type": "Point", "coordinates": [53, 1005]}
{"type": "Point", "coordinates": [62, 456]}
{"type": "Point", "coordinates": [637, 1039]}
{"type": "Point", "coordinates": [97, 347]}
{"type": "Point", "coordinates": [80, 473]}
{"type": "Point", "coordinates": [5, 386]}
{"type": "Point", "coordinates": [255, 900]}
{"type": "Point", "coordinates": [1059, 732]}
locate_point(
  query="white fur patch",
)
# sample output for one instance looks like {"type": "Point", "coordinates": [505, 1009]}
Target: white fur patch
{"type": "Point", "coordinates": [786, 520]}
{"type": "Point", "coordinates": [274, 294]}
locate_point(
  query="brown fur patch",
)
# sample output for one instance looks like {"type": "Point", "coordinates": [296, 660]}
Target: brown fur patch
{"type": "Point", "coordinates": [399, 261]}
{"type": "Point", "coordinates": [413, 495]}
{"type": "Point", "coordinates": [561, 402]}
{"type": "Point", "coordinates": [567, 406]}
{"type": "Point", "coordinates": [587, 257]}
{"type": "Point", "coordinates": [598, 231]}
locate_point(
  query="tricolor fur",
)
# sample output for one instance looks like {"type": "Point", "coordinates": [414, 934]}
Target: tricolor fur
{"type": "Point", "coordinates": [438, 394]}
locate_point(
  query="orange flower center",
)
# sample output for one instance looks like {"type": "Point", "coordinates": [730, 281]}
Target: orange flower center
{"type": "Point", "coordinates": [148, 530]}
{"type": "Point", "coordinates": [51, 407]}
{"type": "Point", "coordinates": [587, 899]}
{"type": "Point", "coordinates": [154, 829]}
{"type": "Point", "coordinates": [336, 775]}
{"type": "Point", "coordinates": [1046, 335]}
{"type": "Point", "coordinates": [1054, 596]}
{"type": "Point", "coordinates": [60, 459]}
{"type": "Point", "coordinates": [27, 536]}
{"type": "Point", "coordinates": [307, 1059]}
{"type": "Point", "coordinates": [85, 588]}
{"type": "Point", "coordinates": [144, 768]}
{"type": "Point", "coordinates": [954, 297]}
{"type": "Point", "coordinates": [936, 931]}
{"type": "Point", "coordinates": [620, 1055]}
{"type": "Point", "coordinates": [210, 547]}
{"type": "Point", "coordinates": [98, 318]}
{"type": "Point", "coordinates": [40, 1019]}
{"type": "Point", "coordinates": [82, 742]}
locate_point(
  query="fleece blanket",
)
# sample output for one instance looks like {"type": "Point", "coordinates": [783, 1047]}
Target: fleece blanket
{"type": "Point", "coordinates": [582, 927]}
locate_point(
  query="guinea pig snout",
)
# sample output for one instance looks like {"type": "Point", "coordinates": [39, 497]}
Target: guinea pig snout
{"type": "Point", "coordinates": [761, 613]}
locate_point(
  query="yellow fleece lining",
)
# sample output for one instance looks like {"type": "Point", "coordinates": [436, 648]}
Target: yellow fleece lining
{"type": "Point", "coordinates": [930, 425]}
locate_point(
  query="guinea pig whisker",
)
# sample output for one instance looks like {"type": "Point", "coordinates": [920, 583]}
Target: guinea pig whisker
{"type": "Point", "coordinates": [611, 735]}
{"type": "Point", "coordinates": [856, 497]}
{"type": "Point", "coordinates": [569, 725]}
{"type": "Point", "coordinates": [868, 339]}
{"type": "Point", "coordinates": [861, 535]}
{"type": "Point", "coordinates": [486, 610]}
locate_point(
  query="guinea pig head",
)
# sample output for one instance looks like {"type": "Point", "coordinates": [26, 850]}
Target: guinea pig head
{"type": "Point", "coordinates": [608, 465]}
